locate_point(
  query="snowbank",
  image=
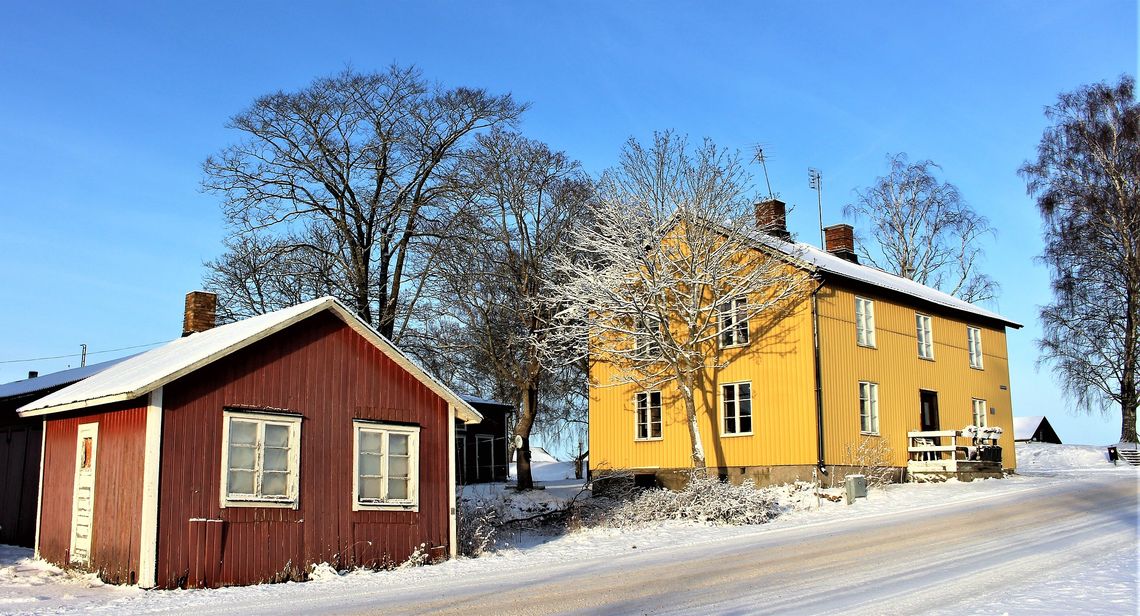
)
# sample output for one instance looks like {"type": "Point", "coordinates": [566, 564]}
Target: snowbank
{"type": "Point", "coordinates": [1047, 457]}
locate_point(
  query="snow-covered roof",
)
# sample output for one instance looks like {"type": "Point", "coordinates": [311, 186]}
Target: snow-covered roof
{"type": "Point", "coordinates": [828, 263]}
{"type": "Point", "coordinates": [55, 379]}
{"type": "Point", "coordinates": [146, 372]}
{"type": "Point", "coordinates": [482, 401]}
{"type": "Point", "coordinates": [1025, 427]}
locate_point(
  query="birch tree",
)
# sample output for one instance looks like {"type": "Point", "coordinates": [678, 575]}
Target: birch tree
{"type": "Point", "coordinates": [364, 157]}
{"type": "Point", "coordinates": [1086, 180]}
{"type": "Point", "coordinates": [672, 248]}
{"type": "Point", "coordinates": [923, 230]}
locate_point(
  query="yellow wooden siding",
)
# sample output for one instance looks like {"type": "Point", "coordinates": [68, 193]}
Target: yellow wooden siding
{"type": "Point", "coordinates": [778, 364]}
{"type": "Point", "coordinates": [900, 373]}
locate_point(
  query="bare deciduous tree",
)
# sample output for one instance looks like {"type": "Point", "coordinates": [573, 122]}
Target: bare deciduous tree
{"type": "Point", "coordinates": [362, 156]}
{"type": "Point", "coordinates": [522, 200]}
{"type": "Point", "coordinates": [673, 240]}
{"type": "Point", "coordinates": [1087, 183]}
{"type": "Point", "coordinates": [923, 230]}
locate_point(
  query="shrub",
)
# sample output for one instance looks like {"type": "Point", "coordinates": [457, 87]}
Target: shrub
{"type": "Point", "coordinates": [703, 499]}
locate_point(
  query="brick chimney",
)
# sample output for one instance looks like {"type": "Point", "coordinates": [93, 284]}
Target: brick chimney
{"type": "Point", "coordinates": [840, 241]}
{"type": "Point", "coordinates": [771, 218]}
{"type": "Point", "coordinates": [201, 312]}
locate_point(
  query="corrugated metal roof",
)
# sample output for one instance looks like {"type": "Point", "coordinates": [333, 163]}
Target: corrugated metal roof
{"type": "Point", "coordinates": [831, 264]}
{"type": "Point", "coordinates": [1025, 427]}
{"type": "Point", "coordinates": [55, 379]}
{"type": "Point", "coordinates": [143, 373]}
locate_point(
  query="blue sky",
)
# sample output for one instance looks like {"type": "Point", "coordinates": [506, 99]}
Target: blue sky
{"type": "Point", "coordinates": [108, 110]}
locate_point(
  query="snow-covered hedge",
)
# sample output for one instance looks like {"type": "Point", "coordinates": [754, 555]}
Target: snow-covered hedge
{"type": "Point", "coordinates": [704, 499]}
{"type": "Point", "coordinates": [477, 524]}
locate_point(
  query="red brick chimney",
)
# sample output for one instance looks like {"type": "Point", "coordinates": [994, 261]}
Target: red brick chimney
{"type": "Point", "coordinates": [201, 312]}
{"type": "Point", "coordinates": [840, 241]}
{"type": "Point", "coordinates": [771, 218]}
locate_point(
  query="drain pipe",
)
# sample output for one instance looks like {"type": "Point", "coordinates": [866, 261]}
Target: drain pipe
{"type": "Point", "coordinates": [818, 377]}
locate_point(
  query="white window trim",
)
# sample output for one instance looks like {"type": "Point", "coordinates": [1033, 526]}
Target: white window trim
{"type": "Point", "coordinates": [648, 417]}
{"type": "Point", "coordinates": [868, 324]}
{"type": "Point", "coordinates": [294, 421]}
{"type": "Point", "coordinates": [645, 345]}
{"type": "Point", "coordinates": [927, 333]}
{"type": "Point", "coordinates": [972, 345]}
{"type": "Point", "coordinates": [751, 404]}
{"type": "Point", "coordinates": [413, 432]}
{"type": "Point", "coordinates": [873, 400]}
{"type": "Point", "coordinates": [985, 412]}
{"type": "Point", "coordinates": [733, 313]}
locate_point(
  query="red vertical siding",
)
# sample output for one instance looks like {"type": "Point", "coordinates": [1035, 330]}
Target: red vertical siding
{"type": "Point", "coordinates": [118, 489]}
{"type": "Point", "coordinates": [324, 370]}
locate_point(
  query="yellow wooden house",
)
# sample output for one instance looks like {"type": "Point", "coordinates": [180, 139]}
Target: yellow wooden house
{"type": "Point", "coordinates": [844, 376]}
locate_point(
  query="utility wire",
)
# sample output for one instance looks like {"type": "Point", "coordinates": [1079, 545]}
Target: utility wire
{"type": "Point", "coordinates": [137, 346]}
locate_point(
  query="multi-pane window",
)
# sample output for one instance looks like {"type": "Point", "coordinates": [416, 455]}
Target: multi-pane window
{"type": "Point", "coordinates": [868, 407]}
{"type": "Point", "coordinates": [260, 459]}
{"type": "Point", "coordinates": [979, 413]}
{"type": "Point", "coordinates": [864, 322]}
{"type": "Point", "coordinates": [648, 415]}
{"type": "Point", "coordinates": [974, 343]}
{"type": "Point", "coordinates": [736, 406]}
{"type": "Point", "coordinates": [645, 342]}
{"type": "Point", "coordinates": [734, 322]}
{"type": "Point", "coordinates": [925, 337]}
{"type": "Point", "coordinates": [386, 467]}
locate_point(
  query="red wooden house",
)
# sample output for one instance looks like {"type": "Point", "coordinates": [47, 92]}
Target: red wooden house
{"type": "Point", "coordinates": [247, 452]}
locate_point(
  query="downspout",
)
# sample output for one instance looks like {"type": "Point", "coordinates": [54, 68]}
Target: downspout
{"type": "Point", "coordinates": [818, 377]}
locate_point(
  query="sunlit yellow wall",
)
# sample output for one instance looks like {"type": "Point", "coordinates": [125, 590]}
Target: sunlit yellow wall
{"type": "Point", "coordinates": [778, 363]}
{"type": "Point", "coordinates": [900, 373]}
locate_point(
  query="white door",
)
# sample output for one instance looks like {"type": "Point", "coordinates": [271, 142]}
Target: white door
{"type": "Point", "coordinates": [83, 505]}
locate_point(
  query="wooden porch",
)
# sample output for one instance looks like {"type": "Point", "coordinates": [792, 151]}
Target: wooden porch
{"type": "Point", "coordinates": [965, 455]}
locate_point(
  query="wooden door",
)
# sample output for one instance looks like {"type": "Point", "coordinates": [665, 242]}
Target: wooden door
{"type": "Point", "coordinates": [83, 498]}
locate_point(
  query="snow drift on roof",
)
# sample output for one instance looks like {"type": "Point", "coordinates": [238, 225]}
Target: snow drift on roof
{"type": "Point", "coordinates": [484, 401]}
{"type": "Point", "coordinates": [829, 263]}
{"type": "Point", "coordinates": [148, 371]}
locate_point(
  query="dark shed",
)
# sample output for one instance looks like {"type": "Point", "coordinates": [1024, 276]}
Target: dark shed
{"type": "Point", "coordinates": [248, 453]}
{"type": "Point", "coordinates": [481, 449]}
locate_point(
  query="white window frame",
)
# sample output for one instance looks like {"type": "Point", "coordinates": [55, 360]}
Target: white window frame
{"type": "Point", "coordinates": [637, 423]}
{"type": "Point", "coordinates": [645, 345]}
{"type": "Point", "coordinates": [924, 332]}
{"type": "Point", "coordinates": [292, 498]}
{"type": "Point", "coordinates": [869, 408]}
{"type": "Point", "coordinates": [732, 326]}
{"type": "Point", "coordinates": [736, 400]}
{"type": "Point", "coordinates": [412, 503]}
{"type": "Point", "coordinates": [983, 406]}
{"type": "Point", "coordinates": [974, 346]}
{"type": "Point", "coordinates": [865, 322]}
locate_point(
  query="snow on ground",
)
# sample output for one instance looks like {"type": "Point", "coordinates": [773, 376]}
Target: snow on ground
{"type": "Point", "coordinates": [28, 586]}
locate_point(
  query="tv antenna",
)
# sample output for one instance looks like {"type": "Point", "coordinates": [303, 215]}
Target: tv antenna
{"type": "Point", "coordinates": [763, 160]}
{"type": "Point", "coordinates": [815, 182]}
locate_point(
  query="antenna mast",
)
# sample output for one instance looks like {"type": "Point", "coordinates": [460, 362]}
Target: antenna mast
{"type": "Point", "coordinates": [760, 158]}
{"type": "Point", "coordinates": [815, 182]}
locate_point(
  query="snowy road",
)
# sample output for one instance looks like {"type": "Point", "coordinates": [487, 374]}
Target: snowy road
{"type": "Point", "coordinates": [991, 552]}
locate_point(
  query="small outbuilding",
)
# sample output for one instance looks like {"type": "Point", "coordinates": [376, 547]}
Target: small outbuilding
{"type": "Point", "coordinates": [249, 452]}
{"type": "Point", "coordinates": [1034, 430]}
{"type": "Point", "coordinates": [481, 449]}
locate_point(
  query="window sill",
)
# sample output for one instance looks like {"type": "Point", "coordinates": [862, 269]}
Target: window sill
{"type": "Point", "coordinates": [930, 359]}
{"type": "Point", "coordinates": [733, 346]}
{"type": "Point", "coordinates": [228, 503]}
{"type": "Point", "coordinates": [649, 440]}
{"type": "Point", "coordinates": [869, 434]}
{"type": "Point", "coordinates": [386, 507]}
{"type": "Point", "coordinates": [978, 368]}
{"type": "Point", "coordinates": [735, 434]}
{"type": "Point", "coordinates": [867, 346]}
